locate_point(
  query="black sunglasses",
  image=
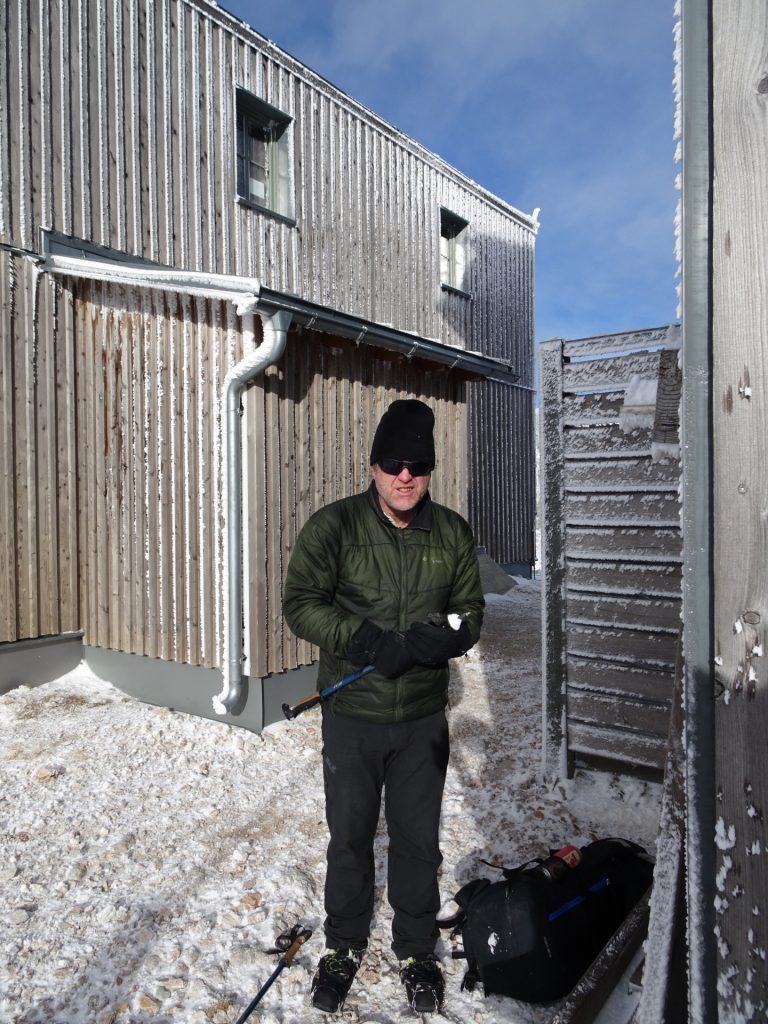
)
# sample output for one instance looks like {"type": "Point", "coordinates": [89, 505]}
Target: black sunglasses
{"type": "Point", "coordinates": [394, 467]}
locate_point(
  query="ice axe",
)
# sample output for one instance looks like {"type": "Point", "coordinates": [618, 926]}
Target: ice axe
{"type": "Point", "coordinates": [320, 695]}
{"type": "Point", "coordinates": [296, 937]}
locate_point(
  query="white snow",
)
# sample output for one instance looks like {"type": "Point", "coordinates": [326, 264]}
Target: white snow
{"type": "Point", "coordinates": [149, 859]}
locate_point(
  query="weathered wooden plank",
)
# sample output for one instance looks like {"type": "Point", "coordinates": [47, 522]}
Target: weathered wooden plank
{"type": "Point", "coordinates": [739, 280]}
{"type": "Point", "coordinates": [606, 441]}
{"type": "Point", "coordinates": [585, 410]}
{"type": "Point", "coordinates": [633, 508]}
{"type": "Point", "coordinates": [8, 573]}
{"type": "Point", "coordinates": [176, 483]}
{"type": "Point", "coordinates": [87, 481]}
{"type": "Point", "coordinates": [554, 633]}
{"type": "Point", "coordinates": [620, 476]}
{"type": "Point", "coordinates": [637, 544]}
{"type": "Point", "coordinates": [153, 646]}
{"type": "Point", "coordinates": [66, 404]}
{"type": "Point", "coordinates": [604, 710]}
{"type": "Point", "coordinates": [627, 747]}
{"type": "Point", "coordinates": [625, 612]}
{"type": "Point", "coordinates": [653, 684]}
{"type": "Point", "coordinates": [277, 451]}
{"type": "Point", "coordinates": [45, 447]}
{"type": "Point", "coordinates": [628, 645]}
{"type": "Point", "coordinates": [113, 553]}
{"type": "Point", "coordinates": [258, 519]}
{"type": "Point", "coordinates": [609, 374]}
{"type": "Point", "coordinates": [624, 578]}
{"type": "Point", "coordinates": [24, 383]}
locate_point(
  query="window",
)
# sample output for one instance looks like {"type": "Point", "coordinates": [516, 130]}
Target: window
{"type": "Point", "coordinates": [263, 155]}
{"type": "Point", "coordinates": [453, 251]}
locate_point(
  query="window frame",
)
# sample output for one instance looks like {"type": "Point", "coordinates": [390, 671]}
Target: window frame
{"type": "Point", "coordinates": [274, 126]}
{"type": "Point", "coordinates": [454, 232]}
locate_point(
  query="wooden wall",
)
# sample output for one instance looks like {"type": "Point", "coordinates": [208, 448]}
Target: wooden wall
{"type": "Point", "coordinates": [39, 587]}
{"type": "Point", "coordinates": [739, 276]}
{"type": "Point", "coordinates": [150, 370]}
{"type": "Point", "coordinates": [118, 129]}
{"type": "Point", "coordinates": [612, 547]}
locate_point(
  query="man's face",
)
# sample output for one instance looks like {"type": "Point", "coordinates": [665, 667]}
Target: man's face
{"type": "Point", "coordinates": [400, 494]}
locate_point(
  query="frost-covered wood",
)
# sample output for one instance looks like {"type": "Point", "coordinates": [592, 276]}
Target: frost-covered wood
{"type": "Point", "coordinates": [554, 753]}
{"type": "Point", "coordinates": [641, 544]}
{"type": "Point", "coordinates": [624, 578]}
{"type": "Point", "coordinates": [648, 682]}
{"type": "Point", "coordinates": [615, 523]}
{"type": "Point", "coordinates": [739, 274]}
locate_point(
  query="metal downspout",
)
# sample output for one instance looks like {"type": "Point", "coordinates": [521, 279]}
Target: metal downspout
{"type": "Point", "coordinates": [269, 351]}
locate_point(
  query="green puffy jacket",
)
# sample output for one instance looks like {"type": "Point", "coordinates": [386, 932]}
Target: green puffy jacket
{"type": "Point", "coordinates": [350, 563]}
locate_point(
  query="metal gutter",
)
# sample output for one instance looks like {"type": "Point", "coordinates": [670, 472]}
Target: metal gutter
{"type": "Point", "coordinates": [360, 330]}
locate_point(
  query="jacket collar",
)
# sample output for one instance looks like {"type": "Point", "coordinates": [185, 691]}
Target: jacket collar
{"type": "Point", "coordinates": [421, 521]}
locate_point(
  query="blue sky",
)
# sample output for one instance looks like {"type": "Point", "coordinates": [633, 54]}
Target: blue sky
{"type": "Point", "coordinates": [566, 105]}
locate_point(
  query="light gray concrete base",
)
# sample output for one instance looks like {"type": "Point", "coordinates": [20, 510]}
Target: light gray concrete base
{"type": "Point", "coordinates": [191, 689]}
{"type": "Point", "coordinates": [33, 662]}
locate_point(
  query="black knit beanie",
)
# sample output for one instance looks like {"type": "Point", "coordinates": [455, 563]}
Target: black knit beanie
{"type": "Point", "coordinates": [405, 433]}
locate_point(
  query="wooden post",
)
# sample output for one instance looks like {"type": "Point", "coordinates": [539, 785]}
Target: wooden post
{"type": "Point", "coordinates": [740, 427]}
{"type": "Point", "coordinates": [554, 745]}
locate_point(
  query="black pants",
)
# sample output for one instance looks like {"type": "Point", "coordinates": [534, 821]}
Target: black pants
{"type": "Point", "coordinates": [409, 761]}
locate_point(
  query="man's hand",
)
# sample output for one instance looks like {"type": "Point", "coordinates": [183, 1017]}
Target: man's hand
{"type": "Point", "coordinates": [385, 649]}
{"type": "Point", "coordinates": [434, 645]}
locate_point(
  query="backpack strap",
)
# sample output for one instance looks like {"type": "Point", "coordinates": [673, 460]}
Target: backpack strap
{"type": "Point", "coordinates": [514, 872]}
{"type": "Point", "coordinates": [463, 897]}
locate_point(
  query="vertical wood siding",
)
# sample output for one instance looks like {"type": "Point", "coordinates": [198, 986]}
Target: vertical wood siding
{"type": "Point", "coordinates": [119, 129]}
{"type": "Point", "coordinates": [612, 558]}
{"type": "Point", "coordinates": [150, 372]}
{"type": "Point", "coordinates": [38, 524]}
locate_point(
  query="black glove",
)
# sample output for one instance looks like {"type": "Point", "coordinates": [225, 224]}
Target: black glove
{"type": "Point", "coordinates": [364, 643]}
{"type": "Point", "coordinates": [434, 645]}
{"type": "Point", "coordinates": [385, 649]}
{"type": "Point", "coordinates": [393, 655]}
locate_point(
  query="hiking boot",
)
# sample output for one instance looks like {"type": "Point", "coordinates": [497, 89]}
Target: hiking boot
{"type": "Point", "coordinates": [333, 977]}
{"type": "Point", "coordinates": [423, 980]}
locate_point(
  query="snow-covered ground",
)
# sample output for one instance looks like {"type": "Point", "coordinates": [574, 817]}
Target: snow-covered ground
{"type": "Point", "coordinates": [149, 859]}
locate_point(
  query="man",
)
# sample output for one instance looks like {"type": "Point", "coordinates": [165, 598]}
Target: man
{"type": "Point", "coordinates": [371, 581]}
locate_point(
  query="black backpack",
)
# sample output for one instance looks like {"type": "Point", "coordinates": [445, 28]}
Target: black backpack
{"type": "Point", "coordinates": [531, 937]}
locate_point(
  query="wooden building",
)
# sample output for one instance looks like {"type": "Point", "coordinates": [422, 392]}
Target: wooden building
{"type": "Point", "coordinates": [191, 221]}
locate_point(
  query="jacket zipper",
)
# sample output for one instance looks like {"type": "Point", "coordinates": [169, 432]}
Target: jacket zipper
{"type": "Point", "coordinates": [402, 621]}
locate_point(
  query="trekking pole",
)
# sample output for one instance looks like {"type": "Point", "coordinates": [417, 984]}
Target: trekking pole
{"type": "Point", "coordinates": [298, 941]}
{"type": "Point", "coordinates": [320, 695]}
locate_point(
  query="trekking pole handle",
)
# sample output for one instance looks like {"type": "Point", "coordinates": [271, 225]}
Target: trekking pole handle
{"type": "Point", "coordinates": [296, 945]}
{"type": "Point", "coordinates": [320, 695]}
{"type": "Point", "coordinates": [303, 705]}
